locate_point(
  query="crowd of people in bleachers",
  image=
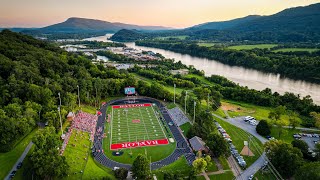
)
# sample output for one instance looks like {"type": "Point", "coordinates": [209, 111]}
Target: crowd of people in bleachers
{"type": "Point", "coordinates": [178, 116]}
{"type": "Point", "coordinates": [83, 122]}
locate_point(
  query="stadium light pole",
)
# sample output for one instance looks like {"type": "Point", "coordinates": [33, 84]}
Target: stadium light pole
{"type": "Point", "coordinates": [194, 111]}
{"type": "Point", "coordinates": [185, 103]}
{"type": "Point", "coordinates": [78, 94]}
{"type": "Point", "coordinates": [59, 109]}
{"type": "Point", "coordinates": [174, 93]}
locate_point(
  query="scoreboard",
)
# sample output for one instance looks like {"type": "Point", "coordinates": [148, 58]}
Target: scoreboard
{"type": "Point", "coordinates": [129, 90]}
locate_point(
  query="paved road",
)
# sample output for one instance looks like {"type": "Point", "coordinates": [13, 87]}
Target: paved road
{"type": "Point", "coordinates": [252, 130]}
{"type": "Point", "coordinates": [23, 155]}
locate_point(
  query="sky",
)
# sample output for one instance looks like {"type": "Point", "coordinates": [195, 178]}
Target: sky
{"type": "Point", "coordinates": [169, 13]}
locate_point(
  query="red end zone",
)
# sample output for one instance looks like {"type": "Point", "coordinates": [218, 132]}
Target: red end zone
{"type": "Point", "coordinates": [139, 144]}
{"type": "Point", "coordinates": [130, 106]}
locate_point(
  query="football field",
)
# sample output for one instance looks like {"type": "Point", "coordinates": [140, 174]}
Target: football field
{"type": "Point", "coordinates": [136, 125]}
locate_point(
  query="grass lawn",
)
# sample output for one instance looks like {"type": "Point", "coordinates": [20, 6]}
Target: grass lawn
{"type": "Point", "coordinates": [8, 159]}
{"type": "Point", "coordinates": [238, 137]}
{"type": "Point", "coordinates": [225, 176]}
{"type": "Point", "coordinates": [171, 105]}
{"type": "Point", "coordinates": [205, 44]}
{"type": "Point", "coordinates": [149, 81]}
{"type": "Point", "coordinates": [156, 152]}
{"type": "Point", "coordinates": [94, 170]}
{"type": "Point", "coordinates": [296, 49]}
{"type": "Point", "coordinates": [286, 135]}
{"type": "Point", "coordinates": [224, 163]}
{"type": "Point", "coordinates": [261, 175]}
{"type": "Point", "coordinates": [185, 128]}
{"type": "Point", "coordinates": [243, 109]}
{"type": "Point", "coordinates": [168, 37]}
{"type": "Point", "coordinates": [179, 166]}
{"type": "Point", "coordinates": [253, 46]}
{"type": "Point", "coordinates": [76, 153]}
{"type": "Point", "coordinates": [212, 167]}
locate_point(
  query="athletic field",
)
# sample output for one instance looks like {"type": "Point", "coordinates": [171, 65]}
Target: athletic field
{"type": "Point", "coordinates": [135, 125]}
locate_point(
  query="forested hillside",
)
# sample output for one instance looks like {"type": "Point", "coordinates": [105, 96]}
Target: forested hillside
{"type": "Point", "coordinates": [32, 73]}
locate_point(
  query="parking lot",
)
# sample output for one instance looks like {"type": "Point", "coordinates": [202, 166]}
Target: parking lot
{"type": "Point", "coordinates": [311, 141]}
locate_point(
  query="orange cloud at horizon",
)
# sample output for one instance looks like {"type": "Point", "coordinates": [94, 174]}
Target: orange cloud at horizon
{"type": "Point", "coordinates": [170, 13]}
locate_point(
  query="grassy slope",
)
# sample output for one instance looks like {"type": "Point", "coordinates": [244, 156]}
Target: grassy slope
{"type": "Point", "coordinates": [247, 47]}
{"type": "Point", "coordinates": [185, 128]}
{"type": "Point", "coordinates": [94, 170]}
{"type": "Point", "coordinates": [8, 159]}
{"type": "Point", "coordinates": [238, 136]}
{"type": "Point", "coordinates": [205, 44]}
{"type": "Point", "coordinates": [181, 166]}
{"type": "Point", "coordinates": [76, 153]}
{"type": "Point", "coordinates": [149, 81]}
{"type": "Point", "coordinates": [225, 176]}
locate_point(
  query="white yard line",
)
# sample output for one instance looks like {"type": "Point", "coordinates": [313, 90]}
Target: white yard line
{"type": "Point", "coordinates": [159, 121]}
{"type": "Point", "coordinates": [144, 123]}
{"type": "Point", "coordinates": [111, 123]}
{"type": "Point", "coordinates": [128, 124]}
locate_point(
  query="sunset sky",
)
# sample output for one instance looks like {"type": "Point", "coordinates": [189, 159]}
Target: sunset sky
{"type": "Point", "coordinates": [171, 13]}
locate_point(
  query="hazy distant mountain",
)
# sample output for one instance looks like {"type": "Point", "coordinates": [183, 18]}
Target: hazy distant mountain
{"type": "Point", "coordinates": [299, 19]}
{"type": "Point", "coordinates": [221, 25]}
{"type": "Point", "coordinates": [75, 24]}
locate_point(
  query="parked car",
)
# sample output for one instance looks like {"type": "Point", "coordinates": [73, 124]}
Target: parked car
{"type": "Point", "coordinates": [19, 165]}
{"type": "Point", "coordinates": [250, 177]}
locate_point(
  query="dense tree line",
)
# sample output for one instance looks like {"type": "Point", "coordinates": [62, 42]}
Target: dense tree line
{"type": "Point", "coordinates": [290, 65]}
{"type": "Point", "coordinates": [33, 72]}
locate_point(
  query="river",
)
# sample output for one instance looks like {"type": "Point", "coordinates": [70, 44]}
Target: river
{"type": "Point", "coordinates": [245, 77]}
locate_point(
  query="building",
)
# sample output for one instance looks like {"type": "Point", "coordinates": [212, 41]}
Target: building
{"type": "Point", "coordinates": [197, 144]}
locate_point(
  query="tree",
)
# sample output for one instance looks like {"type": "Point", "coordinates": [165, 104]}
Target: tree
{"type": "Point", "coordinates": [317, 150]}
{"type": "Point", "coordinates": [276, 116]}
{"type": "Point", "coordinates": [263, 128]}
{"type": "Point", "coordinates": [46, 161]}
{"type": "Point", "coordinates": [140, 168]}
{"type": "Point", "coordinates": [121, 173]}
{"type": "Point", "coordinates": [285, 158]}
{"type": "Point", "coordinates": [316, 117]}
{"type": "Point", "coordinates": [302, 145]}
{"type": "Point", "coordinates": [294, 120]}
{"type": "Point", "coordinates": [308, 171]}
{"type": "Point", "coordinates": [217, 145]}
{"type": "Point", "coordinates": [199, 165]}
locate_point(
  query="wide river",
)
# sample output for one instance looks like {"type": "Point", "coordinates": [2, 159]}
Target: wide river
{"type": "Point", "coordinates": [246, 77]}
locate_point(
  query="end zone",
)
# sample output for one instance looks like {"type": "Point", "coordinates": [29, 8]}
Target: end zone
{"type": "Point", "coordinates": [139, 144]}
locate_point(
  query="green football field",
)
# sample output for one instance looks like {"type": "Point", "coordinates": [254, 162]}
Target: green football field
{"type": "Point", "coordinates": [134, 124]}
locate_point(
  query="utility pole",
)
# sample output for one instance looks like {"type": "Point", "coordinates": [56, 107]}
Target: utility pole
{"type": "Point", "coordinates": [249, 144]}
{"type": "Point", "coordinates": [174, 92]}
{"type": "Point", "coordinates": [96, 94]}
{"type": "Point", "coordinates": [185, 103]}
{"type": "Point", "coordinates": [194, 111]}
{"type": "Point", "coordinates": [78, 94]}
{"type": "Point", "coordinates": [208, 102]}
{"type": "Point", "coordinates": [59, 109]}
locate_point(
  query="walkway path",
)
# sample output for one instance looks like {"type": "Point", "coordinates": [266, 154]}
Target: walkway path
{"type": "Point", "coordinates": [23, 155]}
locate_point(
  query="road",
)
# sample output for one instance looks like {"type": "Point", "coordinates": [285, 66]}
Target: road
{"type": "Point", "coordinates": [21, 158]}
{"type": "Point", "coordinates": [252, 130]}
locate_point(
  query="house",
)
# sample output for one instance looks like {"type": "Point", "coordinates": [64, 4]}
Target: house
{"type": "Point", "coordinates": [197, 144]}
